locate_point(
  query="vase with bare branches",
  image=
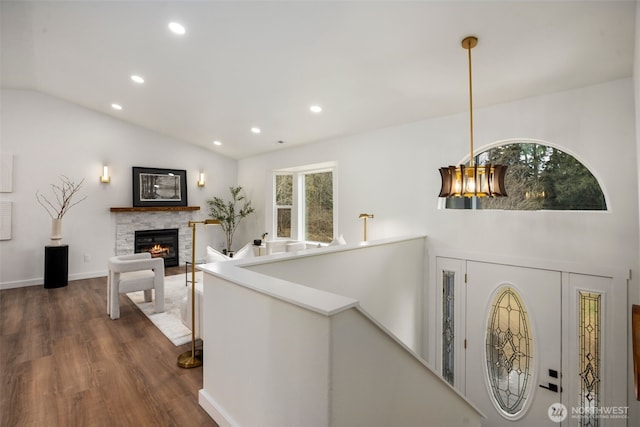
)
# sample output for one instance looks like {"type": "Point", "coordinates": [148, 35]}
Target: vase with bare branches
{"type": "Point", "coordinates": [65, 196]}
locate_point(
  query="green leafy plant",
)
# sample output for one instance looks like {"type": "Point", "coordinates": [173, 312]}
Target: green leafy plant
{"type": "Point", "coordinates": [231, 212]}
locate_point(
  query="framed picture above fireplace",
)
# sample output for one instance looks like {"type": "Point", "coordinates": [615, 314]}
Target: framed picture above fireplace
{"type": "Point", "coordinates": [159, 187]}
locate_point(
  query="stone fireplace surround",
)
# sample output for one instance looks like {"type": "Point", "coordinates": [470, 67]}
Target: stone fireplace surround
{"type": "Point", "coordinates": [129, 220]}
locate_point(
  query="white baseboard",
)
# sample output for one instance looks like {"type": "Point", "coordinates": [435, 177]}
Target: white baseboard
{"type": "Point", "coordinates": [214, 410]}
{"type": "Point", "coordinates": [21, 283]}
{"type": "Point", "coordinates": [40, 280]}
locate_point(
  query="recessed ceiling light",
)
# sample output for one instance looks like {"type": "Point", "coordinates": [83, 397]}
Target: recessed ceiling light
{"type": "Point", "coordinates": [255, 130]}
{"type": "Point", "coordinates": [137, 79]}
{"type": "Point", "coordinates": [116, 106]}
{"type": "Point", "coordinates": [217, 143]}
{"type": "Point", "coordinates": [315, 109]}
{"type": "Point", "coordinates": [177, 28]}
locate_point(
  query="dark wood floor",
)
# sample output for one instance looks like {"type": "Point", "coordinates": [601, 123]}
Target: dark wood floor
{"type": "Point", "coordinates": [64, 362]}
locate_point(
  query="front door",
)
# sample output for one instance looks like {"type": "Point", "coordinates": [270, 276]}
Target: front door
{"type": "Point", "coordinates": [514, 343]}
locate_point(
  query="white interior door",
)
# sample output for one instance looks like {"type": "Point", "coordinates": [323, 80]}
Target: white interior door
{"type": "Point", "coordinates": [513, 340]}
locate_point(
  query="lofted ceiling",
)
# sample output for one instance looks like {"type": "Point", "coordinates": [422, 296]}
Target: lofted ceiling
{"type": "Point", "coordinates": [368, 64]}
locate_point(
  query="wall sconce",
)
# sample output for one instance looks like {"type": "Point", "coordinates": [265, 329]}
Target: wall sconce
{"type": "Point", "coordinates": [365, 216]}
{"type": "Point", "coordinates": [105, 178]}
{"type": "Point", "coordinates": [201, 179]}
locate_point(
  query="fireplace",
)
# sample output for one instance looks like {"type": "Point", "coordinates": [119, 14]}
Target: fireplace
{"type": "Point", "coordinates": [159, 243]}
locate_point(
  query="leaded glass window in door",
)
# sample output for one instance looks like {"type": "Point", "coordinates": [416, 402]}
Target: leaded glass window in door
{"type": "Point", "coordinates": [589, 354]}
{"type": "Point", "coordinates": [448, 332]}
{"type": "Point", "coordinates": [509, 352]}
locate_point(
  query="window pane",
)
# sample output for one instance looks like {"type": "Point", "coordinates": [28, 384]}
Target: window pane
{"type": "Point", "coordinates": [447, 325]}
{"type": "Point", "coordinates": [509, 352]}
{"type": "Point", "coordinates": [284, 190]}
{"type": "Point", "coordinates": [589, 358]}
{"type": "Point", "coordinates": [284, 222]}
{"type": "Point", "coordinates": [318, 189]}
{"type": "Point", "coordinates": [539, 177]}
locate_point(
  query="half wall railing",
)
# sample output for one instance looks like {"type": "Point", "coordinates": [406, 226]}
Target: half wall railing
{"type": "Point", "coordinates": [335, 347]}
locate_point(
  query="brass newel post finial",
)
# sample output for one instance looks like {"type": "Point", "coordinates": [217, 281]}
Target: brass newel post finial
{"type": "Point", "coordinates": [365, 216]}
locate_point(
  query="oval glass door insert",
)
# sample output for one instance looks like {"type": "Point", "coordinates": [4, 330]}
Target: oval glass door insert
{"type": "Point", "coordinates": [509, 353]}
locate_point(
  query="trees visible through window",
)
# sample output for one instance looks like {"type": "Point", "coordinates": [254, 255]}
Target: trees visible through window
{"type": "Point", "coordinates": [318, 206]}
{"type": "Point", "coordinates": [284, 202]}
{"type": "Point", "coordinates": [304, 205]}
{"type": "Point", "coordinates": [539, 177]}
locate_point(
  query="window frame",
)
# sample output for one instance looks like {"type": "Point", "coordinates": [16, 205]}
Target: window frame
{"type": "Point", "coordinates": [298, 208]}
{"type": "Point", "coordinates": [277, 207]}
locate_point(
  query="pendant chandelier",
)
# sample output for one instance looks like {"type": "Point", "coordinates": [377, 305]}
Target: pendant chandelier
{"type": "Point", "coordinates": [472, 180]}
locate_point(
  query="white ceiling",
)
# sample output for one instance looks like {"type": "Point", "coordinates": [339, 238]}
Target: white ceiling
{"type": "Point", "coordinates": [369, 64]}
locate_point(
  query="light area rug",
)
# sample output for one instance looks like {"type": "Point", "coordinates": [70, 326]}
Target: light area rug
{"type": "Point", "coordinates": [170, 321]}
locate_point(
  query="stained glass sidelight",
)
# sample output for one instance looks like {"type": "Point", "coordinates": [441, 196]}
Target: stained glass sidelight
{"type": "Point", "coordinates": [589, 363]}
{"type": "Point", "coordinates": [448, 332]}
{"type": "Point", "coordinates": [509, 352]}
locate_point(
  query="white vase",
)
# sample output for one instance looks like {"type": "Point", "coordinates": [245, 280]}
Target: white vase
{"type": "Point", "coordinates": [56, 231]}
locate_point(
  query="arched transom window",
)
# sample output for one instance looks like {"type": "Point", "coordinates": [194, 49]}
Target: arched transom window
{"type": "Point", "coordinates": [539, 177]}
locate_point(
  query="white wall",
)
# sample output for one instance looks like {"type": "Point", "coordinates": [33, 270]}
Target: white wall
{"type": "Point", "coordinates": [266, 361]}
{"type": "Point", "coordinates": [280, 354]}
{"type": "Point", "coordinates": [376, 383]}
{"type": "Point", "coordinates": [386, 278]}
{"type": "Point", "coordinates": [393, 173]}
{"type": "Point", "coordinates": [634, 292]}
{"type": "Point", "coordinates": [49, 137]}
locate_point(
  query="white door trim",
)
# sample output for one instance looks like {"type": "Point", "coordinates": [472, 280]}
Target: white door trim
{"type": "Point", "coordinates": [616, 328]}
{"type": "Point", "coordinates": [459, 269]}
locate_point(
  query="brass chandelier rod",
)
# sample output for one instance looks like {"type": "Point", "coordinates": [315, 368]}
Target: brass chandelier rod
{"type": "Point", "coordinates": [469, 43]}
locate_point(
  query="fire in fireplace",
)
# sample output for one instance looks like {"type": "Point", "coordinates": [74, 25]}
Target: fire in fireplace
{"type": "Point", "coordinates": [159, 243]}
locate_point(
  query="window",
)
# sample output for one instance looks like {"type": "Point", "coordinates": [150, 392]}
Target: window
{"type": "Point", "coordinates": [318, 206]}
{"type": "Point", "coordinates": [448, 326]}
{"type": "Point", "coordinates": [284, 202]}
{"type": "Point", "coordinates": [589, 341]}
{"type": "Point", "coordinates": [304, 203]}
{"type": "Point", "coordinates": [509, 352]}
{"type": "Point", "coordinates": [539, 177]}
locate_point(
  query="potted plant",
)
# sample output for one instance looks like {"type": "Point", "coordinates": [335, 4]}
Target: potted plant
{"type": "Point", "coordinates": [258, 242]}
{"type": "Point", "coordinates": [230, 213]}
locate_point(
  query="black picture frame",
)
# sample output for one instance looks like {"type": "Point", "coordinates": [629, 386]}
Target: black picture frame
{"type": "Point", "coordinates": [159, 187]}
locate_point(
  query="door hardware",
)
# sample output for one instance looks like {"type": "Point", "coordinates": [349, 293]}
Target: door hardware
{"type": "Point", "coordinates": [551, 387]}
